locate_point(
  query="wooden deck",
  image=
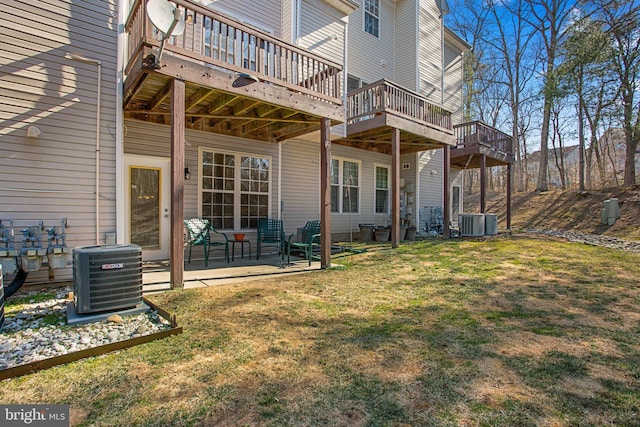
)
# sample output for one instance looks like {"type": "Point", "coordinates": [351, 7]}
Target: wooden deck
{"type": "Point", "coordinates": [376, 110]}
{"type": "Point", "coordinates": [475, 140]}
{"type": "Point", "coordinates": [238, 80]}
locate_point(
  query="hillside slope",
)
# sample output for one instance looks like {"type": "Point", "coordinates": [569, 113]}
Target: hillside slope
{"type": "Point", "coordinates": [565, 210]}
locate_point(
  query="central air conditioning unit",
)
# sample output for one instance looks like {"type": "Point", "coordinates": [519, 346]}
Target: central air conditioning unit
{"type": "Point", "coordinates": [471, 224]}
{"type": "Point", "coordinates": [490, 224]}
{"type": "Point", "coordinates": [107, 278]}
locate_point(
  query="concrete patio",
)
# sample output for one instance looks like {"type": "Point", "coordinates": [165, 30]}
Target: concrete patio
{"type": "Point", "coordinates": [156, 275]}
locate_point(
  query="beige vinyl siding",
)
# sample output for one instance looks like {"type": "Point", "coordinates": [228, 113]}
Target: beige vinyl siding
{"type": "Point", "coordinates": [453, 82]}
{"type": "Point", "coordinates": [318, 25]}
{"type": "Point", "coordinates": [300, 183]}
{"type": "Point", "coordinates": [53, 176]}
{"type": "Point", "coordinates": [406, 50]}
{"type": "Point", "coordinates": [365, 52]}
{"type": "Point", "coordinates": [265, 14]}
{"type": "Point", "coordinates": [430, 60]}
{"type": "Point", "coordinates": [288, 21]}
{"type": "Point", "coordinates": [431, 184]}
{"type": "Point", "coordinates": [155, 140]}
{"type": "Point", "coordinates": [301, 186]}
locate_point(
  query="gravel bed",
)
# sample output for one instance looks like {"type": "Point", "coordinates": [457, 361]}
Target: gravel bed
{"type": "Point", "coordinates": [28, 336]}
{"type": "Point", "coordinates": [591, 239]}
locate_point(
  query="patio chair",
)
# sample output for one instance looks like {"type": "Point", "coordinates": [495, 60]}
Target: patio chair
{"type": "Point", "coordinates": [310, 241]}
{"type": "Point", "coordinates": [270, 233]}
{"type": "Point", "coordinates": [199, 233]}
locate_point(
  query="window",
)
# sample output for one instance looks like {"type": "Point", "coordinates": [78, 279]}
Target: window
{"type": "Point", "coordinates": [345, 186]}
{"type": "Point", "coordinates": [226, 204]}
{"type": "Point", "coordinates": [382, 189]}
{"type": "Point", "coordinates": [372, 17]}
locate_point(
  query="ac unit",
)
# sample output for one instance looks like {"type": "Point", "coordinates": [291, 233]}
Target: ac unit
{"type": "Point", "coordinates": [490, 224]}
{"type": "Point", "coordinates": [471, 224]}
{"type": "Point", "coordinates": [107, 278]}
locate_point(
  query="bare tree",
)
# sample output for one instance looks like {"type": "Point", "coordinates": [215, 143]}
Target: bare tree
{"type": "Point", "coordinates": [621, 19]}
{"type": "Point", "coordinates": [586, 73]}
{"type": "Point", "coordinates": [550, 19]}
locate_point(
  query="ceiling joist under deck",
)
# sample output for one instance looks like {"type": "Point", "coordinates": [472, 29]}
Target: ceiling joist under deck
{"type": "Point", "coordinates": [221, 102]}
{"type": "Point", "coordinates": [468, 157]}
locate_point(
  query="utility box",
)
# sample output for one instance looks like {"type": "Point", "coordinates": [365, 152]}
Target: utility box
{"type": "Point", "coordinates": [610, 211]}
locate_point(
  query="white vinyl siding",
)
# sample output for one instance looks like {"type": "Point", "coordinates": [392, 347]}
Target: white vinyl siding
{"type": "Point", "coordinates": [54, 176]}
{"type": "Point", "coordinates": [301, 186]}
{"type": "Point", "coordinates": [265, 15]}
{"type": "Point", "coordinates": [372, 58]}
{"type": "Point", "coordinates": [430, 60]}
{"type": "Point", "coordinates": [406, 48]}
{"type": "Point", "coordinates": [430, 172]}
{"type": "Point", "coordinates": [322, 30]}
{"type": "Point", "coordinates": [453, 82]}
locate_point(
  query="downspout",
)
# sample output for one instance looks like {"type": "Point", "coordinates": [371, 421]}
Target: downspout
{"type": "Point", "coordinates": [298, 14]}
{"type": "Point", "coordinates": [96, 62]}
{"type": "Point", "coordinates": [442, 65]}
{"type": "Point", "coordinates": [120, 215]}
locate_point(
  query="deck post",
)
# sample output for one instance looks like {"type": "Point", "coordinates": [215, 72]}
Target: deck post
{"type": "Point", "coordinates": [509, 178]}
{"type": "Point", "coordinates": [483, 183]}
{"type": "Point", "coordinates": [395, 187]}
{"type": "Point", "coordinates": [446, 195]}
{"type": "Point", "coordinates": [177, 182]}
{"type": "Point", "coordinates": [325, 193]}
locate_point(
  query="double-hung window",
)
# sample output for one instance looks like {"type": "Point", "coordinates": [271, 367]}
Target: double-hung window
{"type": "Point", "coordinates": [345, 186]}
{"type": "Point", "coordinates": [372, 17]}
{"type": "Point", "coordinates": [382, 190]}
{"type": "Point", "coordinates": [235, 189]}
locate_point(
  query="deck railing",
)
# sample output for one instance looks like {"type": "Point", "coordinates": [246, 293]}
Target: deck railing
{"type": "Point", "coordinates": [381, 96]}
{"type": "Point", "coordinates": [473, 133]}
{"type": "Point", "coordinates": [214, 39]}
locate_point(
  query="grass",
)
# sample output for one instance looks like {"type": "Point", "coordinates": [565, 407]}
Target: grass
{"type": "Point", "coordinates": [503, 332]}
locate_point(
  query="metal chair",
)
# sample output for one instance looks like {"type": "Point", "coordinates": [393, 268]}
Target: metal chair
{"type": "Point", "coordinates": [310, 241]}
{"type": "Point", "coordinates": [270, 233]}
{"type": "Point", "coordinates": [199, 233]}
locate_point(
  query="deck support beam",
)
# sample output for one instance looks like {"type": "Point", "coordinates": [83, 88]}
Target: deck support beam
{"type": "Point", "coordinates": [177, 183]}
{"type": "Point", "coordinates": [446, 197]}
{"type": "Point", "coordinates": [509, 178]}
{"type": "Point", "coordinates": [325, 193]}
{"type": "Point", "coordinates": [395, 187]}
{"type": "Point", "coordinates": [483, 183]}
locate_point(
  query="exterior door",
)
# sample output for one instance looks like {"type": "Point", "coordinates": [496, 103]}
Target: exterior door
{"type": "Point", "coordinates": [147, 180]}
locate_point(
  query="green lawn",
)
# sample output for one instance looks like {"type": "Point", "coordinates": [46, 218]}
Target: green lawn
{"type": "Point", "coordinates": [510, 331]}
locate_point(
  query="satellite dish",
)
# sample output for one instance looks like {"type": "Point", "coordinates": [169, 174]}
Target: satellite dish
{"type": "Point", "coordinates": [168, 19]}
{"type": "Point", "coordinates": [165, 17]}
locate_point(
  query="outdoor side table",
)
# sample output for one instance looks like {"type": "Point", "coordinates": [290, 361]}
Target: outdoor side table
{"type": "Point", "coordinates": [233, 248]}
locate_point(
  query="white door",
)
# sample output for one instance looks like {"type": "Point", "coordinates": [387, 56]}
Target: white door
{"type": "Point", "coordinates": [148, 186]}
